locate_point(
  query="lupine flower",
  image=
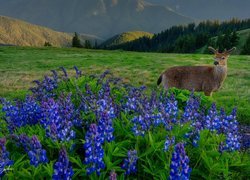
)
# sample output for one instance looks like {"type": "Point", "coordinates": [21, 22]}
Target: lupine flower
{"type": "Point", "coordinates": [129, 164]}
{"type": "Point", "coordinates": [36, 154]}
{"type": "Point", "coordinates": [179, 168]}
{"type": "Point", "coordinates": [78, 72]}
{"type": "Point", "coordinates": [63, 168]}
{"type": "Point", "coordinates": [64, 72]}
{"type": "Point", "coordinates": [169, 142]}
{"type": "Point", "coordinates": [212, 119]}
{"type": "Point", "coordinates": [21, 113]}
{"type": "Point", "coordinates": [230, 129]}
{"type": "Point", "coordinates": [191, 110]}
{"type": "Point", "coordinates": [141, 124]}
{"type": "Point", "coordinates": [169, 110]}
{"type": "Point", "coordinates": [45, 88]}
{"type": "Point", "coordinates": [33, 148]}
{"type": "Point", "coordinates": [4, 157]}
{"type": "Point", "coordinates": [113, 175]}
{"type": "Point", "coordinates": [94, 152]}
{"type": "Point", "coordinates": [67, 110]}
{"type": "Point", "coordinates": [56, 125]}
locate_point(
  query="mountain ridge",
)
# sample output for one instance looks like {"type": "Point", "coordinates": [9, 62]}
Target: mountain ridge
{"type": "Point", "coordinates": [103, 18]}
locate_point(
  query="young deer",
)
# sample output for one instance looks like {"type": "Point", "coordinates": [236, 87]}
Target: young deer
{"type": "Point", "coordinates": [198, 78]}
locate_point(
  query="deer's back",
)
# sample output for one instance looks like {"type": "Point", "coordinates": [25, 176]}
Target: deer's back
{"type": "Point", "coordinates": [188, 77]}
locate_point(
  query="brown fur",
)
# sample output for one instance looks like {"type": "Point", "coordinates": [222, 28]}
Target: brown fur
{"type": "Point", "coordinates": [198, 78]}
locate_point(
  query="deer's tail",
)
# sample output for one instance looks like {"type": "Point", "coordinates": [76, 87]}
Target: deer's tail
{"type": "Point", "coordinates": [159, 80]}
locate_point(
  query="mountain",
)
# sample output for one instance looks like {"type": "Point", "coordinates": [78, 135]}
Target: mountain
{"type": "Point", "coordinates": [17, 32]}
{"type": "Point", "coordinates": [209, 9]}
{"type": "Point", "coordinates": [125, 37]}
{"type": "Point", "coordinates": [103, 18]}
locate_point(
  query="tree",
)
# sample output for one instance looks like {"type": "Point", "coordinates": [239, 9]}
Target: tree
{"type": "Point", "coordinates": [234, 39]}
{"type": "Point", "coordinates": [76, 42]}
{"type": "Point", "coordinates": [87, 44]}
{"type": "Point", "coordinates": [246, 47]}
{"type": "Point", "coordinates": [47, 44]}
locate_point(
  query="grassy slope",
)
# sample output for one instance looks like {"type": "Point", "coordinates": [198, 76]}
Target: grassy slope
{"type": "Point", "coordinates": [19, 66]}
{"type": "Point", "coordinates": [17, 32]}
{"type": "Point", "coordinates": [125, 37]}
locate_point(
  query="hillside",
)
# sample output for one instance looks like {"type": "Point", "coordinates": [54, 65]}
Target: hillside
{"type": "Point", "coordinates": [103, 18]}
{"type": "Point", "coordinates": [16, 32]}
{"type": "Point", "coordinates": [21, 33]}
{"type": "Point", "coordinates": [125, 37]}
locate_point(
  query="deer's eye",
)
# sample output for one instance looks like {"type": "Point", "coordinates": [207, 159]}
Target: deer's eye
{"type": "Point", "coordinates": [223, 58]}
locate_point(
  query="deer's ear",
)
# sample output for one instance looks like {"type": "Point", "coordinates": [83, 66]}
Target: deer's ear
{"type": "Point", "coordinates": [231, 50]}
{"type": "Point", "coordinates": [212, 49]}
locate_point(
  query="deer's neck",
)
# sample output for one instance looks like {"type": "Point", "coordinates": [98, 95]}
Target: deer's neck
{"type": "Point", "coordinates": [220, 73]}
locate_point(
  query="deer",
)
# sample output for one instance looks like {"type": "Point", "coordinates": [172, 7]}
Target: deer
{"type": "Point", "coordinates": [207, 78]}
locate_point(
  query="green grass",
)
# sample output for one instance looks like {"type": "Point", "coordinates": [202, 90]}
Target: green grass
{"type": "Point", "coordinates": [19, 66]}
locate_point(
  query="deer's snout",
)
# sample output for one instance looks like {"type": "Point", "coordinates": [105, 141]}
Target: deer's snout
{"type": "Point", "coordinates": [216, 63]}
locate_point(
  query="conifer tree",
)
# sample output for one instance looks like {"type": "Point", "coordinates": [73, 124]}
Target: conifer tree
{"type": "Point", "coordinates": [76, 42]}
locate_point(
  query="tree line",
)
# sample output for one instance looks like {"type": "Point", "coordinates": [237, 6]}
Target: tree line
{"type": "Point", "coordinates": [189, 38]}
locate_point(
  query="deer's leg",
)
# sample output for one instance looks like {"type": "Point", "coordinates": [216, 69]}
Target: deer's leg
{"type": "Point", "coordinates": [165, 82]}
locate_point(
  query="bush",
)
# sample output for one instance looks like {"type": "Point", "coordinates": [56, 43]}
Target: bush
{"type": "Point", "coordinates": [97, 127]}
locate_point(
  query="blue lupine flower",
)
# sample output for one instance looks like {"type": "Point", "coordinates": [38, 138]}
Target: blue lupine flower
{"type": "Point", "coordinates": [94, 152]}
{"type": "Point", "coordinates": [230, 129]}
{"type": "Point", "coordinates": [169, 142]}
{"type": "Point", "coordinates": [64, 72]}
{"type": "Point", "coordinates": [141, 124]}
{"type": "Point", "coordinates": [21, 113]}
{"type": "Point", "coordinates": [78, 72]}
{"type": "Point", "coordinates": [179, 168]}
{"type": "Point", "coordinates": [33, 148]}
{"type": "Point", "coordinates": [36, 154]}
{"type": "Point", "coordinates": [129, 164]}
{"type": "Point", "coordinates": [212, 119]}
{"type": "Point", "coordinates": [63, 168]}
{"type": "Point", "coordinates": [57, 126]}
{"type": "Point", "coordinates": [191, 112]}
{"type": "Point", "coordinates": [169, 110]}
{"type": "Point", "coordinates": [4, 157]}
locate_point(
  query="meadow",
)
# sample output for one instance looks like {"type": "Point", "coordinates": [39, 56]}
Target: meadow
{"type": "Point", "coordinates": [19, 66]}
{"type": "Point", "coordinates": [97, 124]}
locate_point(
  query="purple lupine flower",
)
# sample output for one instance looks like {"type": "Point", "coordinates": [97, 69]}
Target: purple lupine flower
{"type": "Point", "coordinates": [169, 142]}
{"type": "Point", "coordinates": [179, 168]}
{"type": "Point", "coordinates": [56, 125]}
{"type": "Point", "coordinates": [78, 72]}
{"type": "Point", "coordinates": [63, 168]}
{"type": "Point", "coordinates": [141, 124]}
{"type": "Point", "coordinates": [44, 89]}
{"type": "Point", "coordinates": [36, 154]}
{"type": "Point", "coordinates": [168, 107]}
{"type": "Point", "coordinates": [129, 164]}
{"type": "Point", "coordinates": [64, 72]}
{"type": "Point", "coordinates": [67, 110]}
{"type": "Point", "coordinates": [212, 119]}
{"type": "Point", "coordinates": [94, 152]}
{"type": "Point", "coordinates": [230, 129]}
{"type": "Point", "coordinates": [33, 148]}
{"type": "Point", "coordinates": [21, 113]}
{"type": "Point", "coordinates": [113, 175]}
{"type": "Point", "coordinates": [4, 157]}
{"type": "Point", "coordinates": [191, 110]}
{"type": "Point", "coordinates": [105, 113]}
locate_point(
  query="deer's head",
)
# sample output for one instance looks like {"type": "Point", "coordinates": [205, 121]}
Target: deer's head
{"type": "Point", "coordinates": [220, 59]}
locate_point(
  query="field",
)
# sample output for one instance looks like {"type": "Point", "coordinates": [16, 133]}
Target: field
{"type": "Point", "coordinates": [19, 66]}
